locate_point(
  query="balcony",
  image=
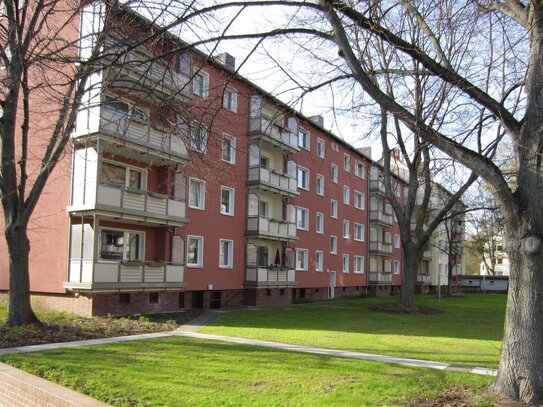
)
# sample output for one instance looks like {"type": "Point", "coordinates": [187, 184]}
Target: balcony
{"type": "Point", "coordinates": [380, 217]}
{"type": "Point", "coordinates": [86, 274]}
{"type": "Point", "coordinates": [133, 138]}
{"type": "Point", "coordinates": [271, 228]}
{"type": "Point", "coordinates": [129, 204]}
{"type": "Point", "coordinates": [380, 278]}
{"type": "Point", "coordinates": [273, 133]}
{"type": "Point", "coordinates": [380, 248]}
{"type": "Point", "coordinates": [423, 279]}
{"type": "Point", "coordinates": [377, 186]}
{"type": "Point", "coordinates": [273, 181]}
{"type": "Point", "coordinates": [270, 276]}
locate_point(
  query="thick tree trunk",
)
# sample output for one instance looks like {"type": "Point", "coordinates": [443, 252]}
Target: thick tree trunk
{"type": "Point", "coordinates": [407, 294]}
{"type": "Point", "coordinates": [520, 374]}
{"type": "Point", "coordinates": [20, 309]}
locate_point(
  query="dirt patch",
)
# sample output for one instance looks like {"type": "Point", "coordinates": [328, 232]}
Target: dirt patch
{"type": "Point", "coordinates": [464, 396]}
{"type": "Point", "coordinates": [401, 309]}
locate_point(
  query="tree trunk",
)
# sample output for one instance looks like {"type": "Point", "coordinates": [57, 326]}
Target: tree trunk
{"type": "Point", "coordinates": [520, 374]}
{"type": "Point", "coordinates": [407, 294]}
{"type": "Point", "coordinates": [20, 309]}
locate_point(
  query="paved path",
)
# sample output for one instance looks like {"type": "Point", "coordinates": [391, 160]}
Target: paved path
{"type": "Point", "coordinates": [191, 330]}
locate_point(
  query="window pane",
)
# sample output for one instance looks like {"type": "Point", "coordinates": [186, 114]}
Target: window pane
{"type": "Point", "coordinates": [134, 179]}
{"type": "Point", "coordinates": [112, 245]}
{"type": "Point", "coordinates": [113, 174]}
{"type": "Point", "coordinates": [133, 248]}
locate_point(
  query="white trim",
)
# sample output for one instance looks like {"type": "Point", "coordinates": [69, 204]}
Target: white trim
{"type": "Point", "coordinates": [203, 183]}
{"type": "Point", "coordinates": [230, 265]}
{"type": "Point", "coordinates": [200, 260]}
{"type": "Point", "coordinates": [232, 200]}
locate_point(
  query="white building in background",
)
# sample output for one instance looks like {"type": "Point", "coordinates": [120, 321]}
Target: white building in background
{"type": "Point", "coordinates": [496, 262]}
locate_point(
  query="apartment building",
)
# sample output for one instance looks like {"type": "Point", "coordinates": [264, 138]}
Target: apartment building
{"type": "Point", "coordinates": [189, 186]}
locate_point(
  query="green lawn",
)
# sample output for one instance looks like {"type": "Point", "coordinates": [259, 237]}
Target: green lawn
{"type": "Point", "coordinates": [469, 331]}
{"type": "Point", "coordinates": [189, 372]}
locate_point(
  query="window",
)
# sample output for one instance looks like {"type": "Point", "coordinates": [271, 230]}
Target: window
{"type": "Point", "coordinates": [302, 218]}
{"type": "Point", "coordinates": [359, 232]}
{"type": "Point", "coordinates": [201, 84]}
{"type": "Point", "coordinates": [320, 148]}
{"type": "Point", "coordinates": [230, 100]}
{"type": "Point", "coordinates": [121, 108]}
{"type": "Point", "coordinates": [121, 245]}
{"type": "Point", "coordinates": [262, 256]}
{"type": "Point", "coordinates": [197, 194]}
{"type": "Point", "coordinates": [227, 201]}
{"type": "Point", "coordinates": [124, 298]}
{"type": "Point", "coordinates": [263, 209]}
{"type": "Point", "coordinates": [346, 195]}
{"type": "Point", "coordinates": [121, 176]}
{"type": "Point", "coordinates": [359, 264]}
{"type": "Point", "coordinates": [345, 263]}
{"type": "Point", "coordinates": [333, 244]}
{"type": "Point", "coordinates": [303, 138]}
{"type": "Point", "coordinates": [301, 259]}
{"type": "Point", "coordinates": [320, 184]}
{"type": "Point", "coordinates": [319, 224]}
{"type": "Point", "coordinates": [335, 147]}
{"type": "Point", "coordinates": [398, 190]}
{"type": "Point", "coordinates": [195, 251]}
{"type": "Point", "coordinates": [333, 208]}
{"type": "Point", "coordinates": [319, 257]}
{"type": "Point", "coordinates": [198, 138]}
{"type": "Point", "coordinates": [228, 149]}
{"type": "Point", "coordinates": [397, 241]}
{"type": "Point", "coordinates": [346, 229]}
{"type": "Point", "coordinates": [359, 200]}
{"type": "Point", "coordinates": [303, 178]}
{"type": "Point", "coordinates": [333, 173]}
{"type": "Point", "coordinates": [360, 170]}
{"type": "Point", "coordinates": [154, 298]}
{"type": "Point", "coordinates": [396, 267]}
{"type": "Point", "coordinates": [346, 162]}
{"type": "Point", "coordinates": [226, 253]}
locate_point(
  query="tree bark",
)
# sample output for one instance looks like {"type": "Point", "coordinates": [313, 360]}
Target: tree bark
{"type": "Point", "coordinates": [20, 309]}
{"type": "Point", "coordinates": [520, 374]}
{"type": "Point", "coordinates": [407, 293]}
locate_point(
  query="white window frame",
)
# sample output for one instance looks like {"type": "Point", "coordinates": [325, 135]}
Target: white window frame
{"type": "Point", "coordinates": [346, 229]}
{"type": "Point", "coordinates": [302, 218]}
{"type": "Point", "coordinates": [346, 195]}
{"type": "Point", "coordinates": [230, 103]}
{"type": "Point", "coordinates": [321, 148]}
{"type": "Point", "coordinates": [347, 162]}
{"type": "Point", "coordinates": [305, 259]}
{"type": "Point", "coordinates": [397, 241]}
{"type": "Point", "coordinates": [306, 145]}
{"type": "Point", "coordinates": [204, 91]}
{"type": "Point", "coordinates": [333, 244]}
{"type": "Point", "coordinates": [319, 261]}
{"type": "Point", "coordinates": [231, 158]}
{"type": "Point", "coordinates": [361, 228]}
{"type": "Point", "coordinates": [319, 223]}
{"type": "Point", "coordinates": [397, 267]}
{"type": "Point", "coordinates": [125, 243]}
{"type": "Point", "coordinates": [345, 263]}
{"type": "Point", "coordinates": [333, 208]}
{"type": "Point", "coordinates": [301, 184]}
{"type": "Point", "coordinates": [200, 260]}
{"type": "Point", "coordinates": [228, 211]}
{"type": "Point", "coordinates": [360, 169]}
{"type": "Point", "coordinates": [128, 169]}
{"type": "Point", "coordinates": [360, 200]}
{"type": "Point", "coordinates": [360, 260]}
{"type": "Point", "coordinates": [230, 258]}
{"type": "Point", "coordinates": [198, 138]}
{"type": "Point", "coordinates": [334, 173]}
{"type": "Point", "coordinates": [319, 186]}
{"type": "Point", "coordinates": [203, 194]}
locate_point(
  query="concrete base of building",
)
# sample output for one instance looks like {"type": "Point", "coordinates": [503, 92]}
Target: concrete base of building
{"type": "Point", "coordinates": [422, 288]}
{"type": "Point", "coordinates": [379, 290]}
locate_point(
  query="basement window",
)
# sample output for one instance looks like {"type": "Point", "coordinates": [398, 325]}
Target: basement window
{"type": "Point", "coordinates": [153, 298]}
{"type": "Point", "coordinates": [124, 298]}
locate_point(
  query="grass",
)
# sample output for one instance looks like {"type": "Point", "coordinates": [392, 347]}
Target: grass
{"type": "Point", "coordinates": [189, 372]}
{"type": "Point", "coordinates": [469, 330]}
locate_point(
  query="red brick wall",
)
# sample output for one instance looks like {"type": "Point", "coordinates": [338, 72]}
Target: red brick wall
{"type": "Point", "coordinates": [110, 303]}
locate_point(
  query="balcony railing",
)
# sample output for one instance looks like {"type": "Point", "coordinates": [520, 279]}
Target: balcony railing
{"type": "Point", "coordinates": [274, 132]}
{"type": "Point", "coordinates": [86, 274]}
{"type": "Point", "coordinates": [380, 278]}
{"type": "Point", "coordinates": [272, 179]}
{"type": "Point", "coordinates": [271, 228]}
{"type": "Point", "coordinates": [423, 279]}
{"type": "Point", "coordinates": [380, 217]}
{"type": "Point", "coordinates": [153, 207]}
{"type": "Point", "coordinates": [377, 185]}
{"type": "Point", "coordinates": [270, 276]}
{"type": "Point", "coordinates": [380, 247]}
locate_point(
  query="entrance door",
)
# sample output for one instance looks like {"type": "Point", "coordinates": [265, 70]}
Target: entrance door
{"type": "Point", "coordinates": [332, 289]}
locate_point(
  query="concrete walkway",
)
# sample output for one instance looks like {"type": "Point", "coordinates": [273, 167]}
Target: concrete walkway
{"type": "Point", "coordinates": [191, 330]}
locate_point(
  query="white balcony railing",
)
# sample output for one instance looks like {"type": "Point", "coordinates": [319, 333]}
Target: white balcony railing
{"type": "Point", "coordinates": [265, 126]}
{"type": "Point", "coordinates": [274, 179]}
{"type": "Point", "coordinates": [377, 185]}
{"type": "Point", "coordinates": [270, 276]}
{"type": "Point", "coordinates": [423, 279]}
{"type": "Point", "coordinates": [270, 227]}
{"type": "Point", "coordinates": [380, 278]}
{"type": "Point", "coordinates": [87, 274]}
{"type": "Point", "coordinates": [380, 247]}
{"type": "Point", "coordinates": [381, 217]}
